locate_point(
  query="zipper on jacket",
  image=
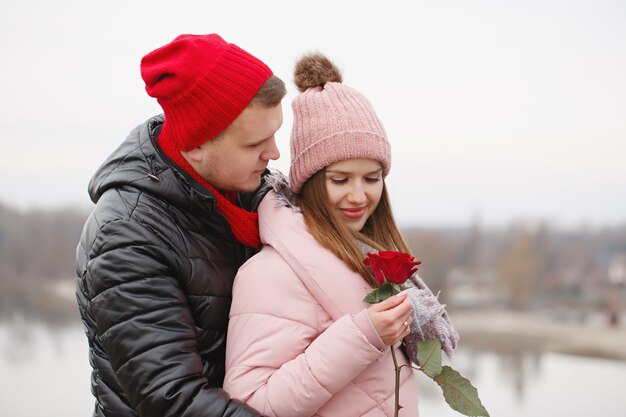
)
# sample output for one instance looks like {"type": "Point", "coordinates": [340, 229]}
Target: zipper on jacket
{"type": "Point", "coordinates": [154, 170]}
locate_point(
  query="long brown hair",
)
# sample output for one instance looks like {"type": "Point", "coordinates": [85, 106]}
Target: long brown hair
{"type": "Point", "coordinates": [380, 230]}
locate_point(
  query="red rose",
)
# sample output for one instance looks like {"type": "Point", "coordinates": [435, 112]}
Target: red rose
{"type": "Point", "coordinates": [395, 267]}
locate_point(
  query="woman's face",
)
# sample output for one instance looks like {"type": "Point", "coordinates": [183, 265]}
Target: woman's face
{"type": "Point", "coordinates": [354, 188]}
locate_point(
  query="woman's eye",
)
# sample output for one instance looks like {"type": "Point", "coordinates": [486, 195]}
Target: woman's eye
{"type": "Point", "coordinates": [338, 180]}
{"type": "Point", "coordinates": [372, 179]}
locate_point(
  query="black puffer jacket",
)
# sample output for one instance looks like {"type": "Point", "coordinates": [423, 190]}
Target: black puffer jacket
{"type": "Point", "coordinates": [155, 268]}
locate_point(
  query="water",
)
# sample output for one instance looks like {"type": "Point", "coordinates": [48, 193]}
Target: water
{"type": "Point", "coordinates": [537, 385]}
{"type": "Point", "coordinates": [44, 371]}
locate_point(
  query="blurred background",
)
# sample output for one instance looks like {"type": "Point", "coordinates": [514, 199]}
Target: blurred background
{"type": "Point", "coordinates": [508, 131]}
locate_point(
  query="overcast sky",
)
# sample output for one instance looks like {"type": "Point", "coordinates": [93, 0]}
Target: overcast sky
{"type": "Point", "coordinates": [496, 110]}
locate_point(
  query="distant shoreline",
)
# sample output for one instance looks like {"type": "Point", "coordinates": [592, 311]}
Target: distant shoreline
{"type": "Point", "coordinates": [494, 330]}
{"type": "Point", "coordinates": [502, 330]}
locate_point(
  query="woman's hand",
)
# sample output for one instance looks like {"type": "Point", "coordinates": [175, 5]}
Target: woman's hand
{"type": "Point", "coordinates": [392, 318]}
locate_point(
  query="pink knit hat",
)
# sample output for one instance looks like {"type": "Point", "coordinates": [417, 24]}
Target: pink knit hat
{"type": "Point", "coordinates": [331, 122]}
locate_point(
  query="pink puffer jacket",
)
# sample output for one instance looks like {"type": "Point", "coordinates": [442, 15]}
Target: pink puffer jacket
{"type": "Point", "coordinates": [300, 342]}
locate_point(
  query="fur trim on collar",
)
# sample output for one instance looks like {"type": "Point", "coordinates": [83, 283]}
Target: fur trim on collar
{"type": "Point", "coordinates": [283, 195]}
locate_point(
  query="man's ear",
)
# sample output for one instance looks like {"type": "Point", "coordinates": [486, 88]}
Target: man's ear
{"type": "Point", "coordinates": [194, 154]}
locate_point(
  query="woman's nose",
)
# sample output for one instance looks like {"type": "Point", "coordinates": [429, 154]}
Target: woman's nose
{"type": "Point", "coordinates": [356, 194]}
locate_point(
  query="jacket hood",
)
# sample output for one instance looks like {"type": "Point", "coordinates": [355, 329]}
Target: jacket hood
{"type": "Point", "coordinates": [282, 227]}
{"type": "Point", "coordinates": [139, 163]}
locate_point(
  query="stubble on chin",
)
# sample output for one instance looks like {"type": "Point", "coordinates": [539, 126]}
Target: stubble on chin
{"type": "Point", "coordinates": [249, 186]}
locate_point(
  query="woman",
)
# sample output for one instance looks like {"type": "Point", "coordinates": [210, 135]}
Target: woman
{"type": "Point", "coordinates": [301, 341]}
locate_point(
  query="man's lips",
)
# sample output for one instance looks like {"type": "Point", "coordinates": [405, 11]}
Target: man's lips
{"type": "Point", "coordinates": [353, 213]}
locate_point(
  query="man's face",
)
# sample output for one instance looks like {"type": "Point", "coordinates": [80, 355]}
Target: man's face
{"type": "Point", "coordinates": [235, 159]}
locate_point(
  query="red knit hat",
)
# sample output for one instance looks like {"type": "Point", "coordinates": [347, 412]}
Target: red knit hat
{"type": "Point", "coordinates": [203, 84]}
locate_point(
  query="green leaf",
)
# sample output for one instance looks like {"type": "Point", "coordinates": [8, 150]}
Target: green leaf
{"type": "Point", "coordinates": [385, 291]}
{"type": "Point", "coordinates": [372, 297]}
{"type": "Point", "coordinates": [379, 294]}
{"type": "Point", "coordinates": [429, 357]}
{"type": "Point", "coordinates": [459, 393]}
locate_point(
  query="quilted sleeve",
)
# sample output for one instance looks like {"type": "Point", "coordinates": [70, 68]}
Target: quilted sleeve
{"type": "Point", "coordinates": [145, 326]}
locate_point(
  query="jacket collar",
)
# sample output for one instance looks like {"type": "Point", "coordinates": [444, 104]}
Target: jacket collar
{"type": "Point", "coordinates": [337, 288]}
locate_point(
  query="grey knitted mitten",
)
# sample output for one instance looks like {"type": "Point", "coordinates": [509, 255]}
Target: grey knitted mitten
{"type": "Point", "coordinates": [430, 320]}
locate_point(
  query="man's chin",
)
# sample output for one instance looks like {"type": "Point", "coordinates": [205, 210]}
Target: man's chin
{"type": "Point", "coordinates": [249, 186]}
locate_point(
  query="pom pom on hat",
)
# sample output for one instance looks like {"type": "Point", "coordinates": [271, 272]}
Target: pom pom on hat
{"type": "Point", "coordinates": [331, 122]}
{"type": "Point", "coordinates": [315, 70]}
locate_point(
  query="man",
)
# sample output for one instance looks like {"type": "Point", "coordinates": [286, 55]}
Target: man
{"type": "Point", "coordinates": [174, 220]}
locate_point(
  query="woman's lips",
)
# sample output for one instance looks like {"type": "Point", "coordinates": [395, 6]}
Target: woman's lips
{"type": "Point", "coordinates": [353, 213]}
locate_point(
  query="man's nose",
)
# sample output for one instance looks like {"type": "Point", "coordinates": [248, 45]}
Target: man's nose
{"type": "Point", "coordinates": [272, 152]}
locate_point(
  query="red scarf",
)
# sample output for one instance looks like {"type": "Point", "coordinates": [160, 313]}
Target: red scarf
{"type": "Point", "coordinates": [243, 223]}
